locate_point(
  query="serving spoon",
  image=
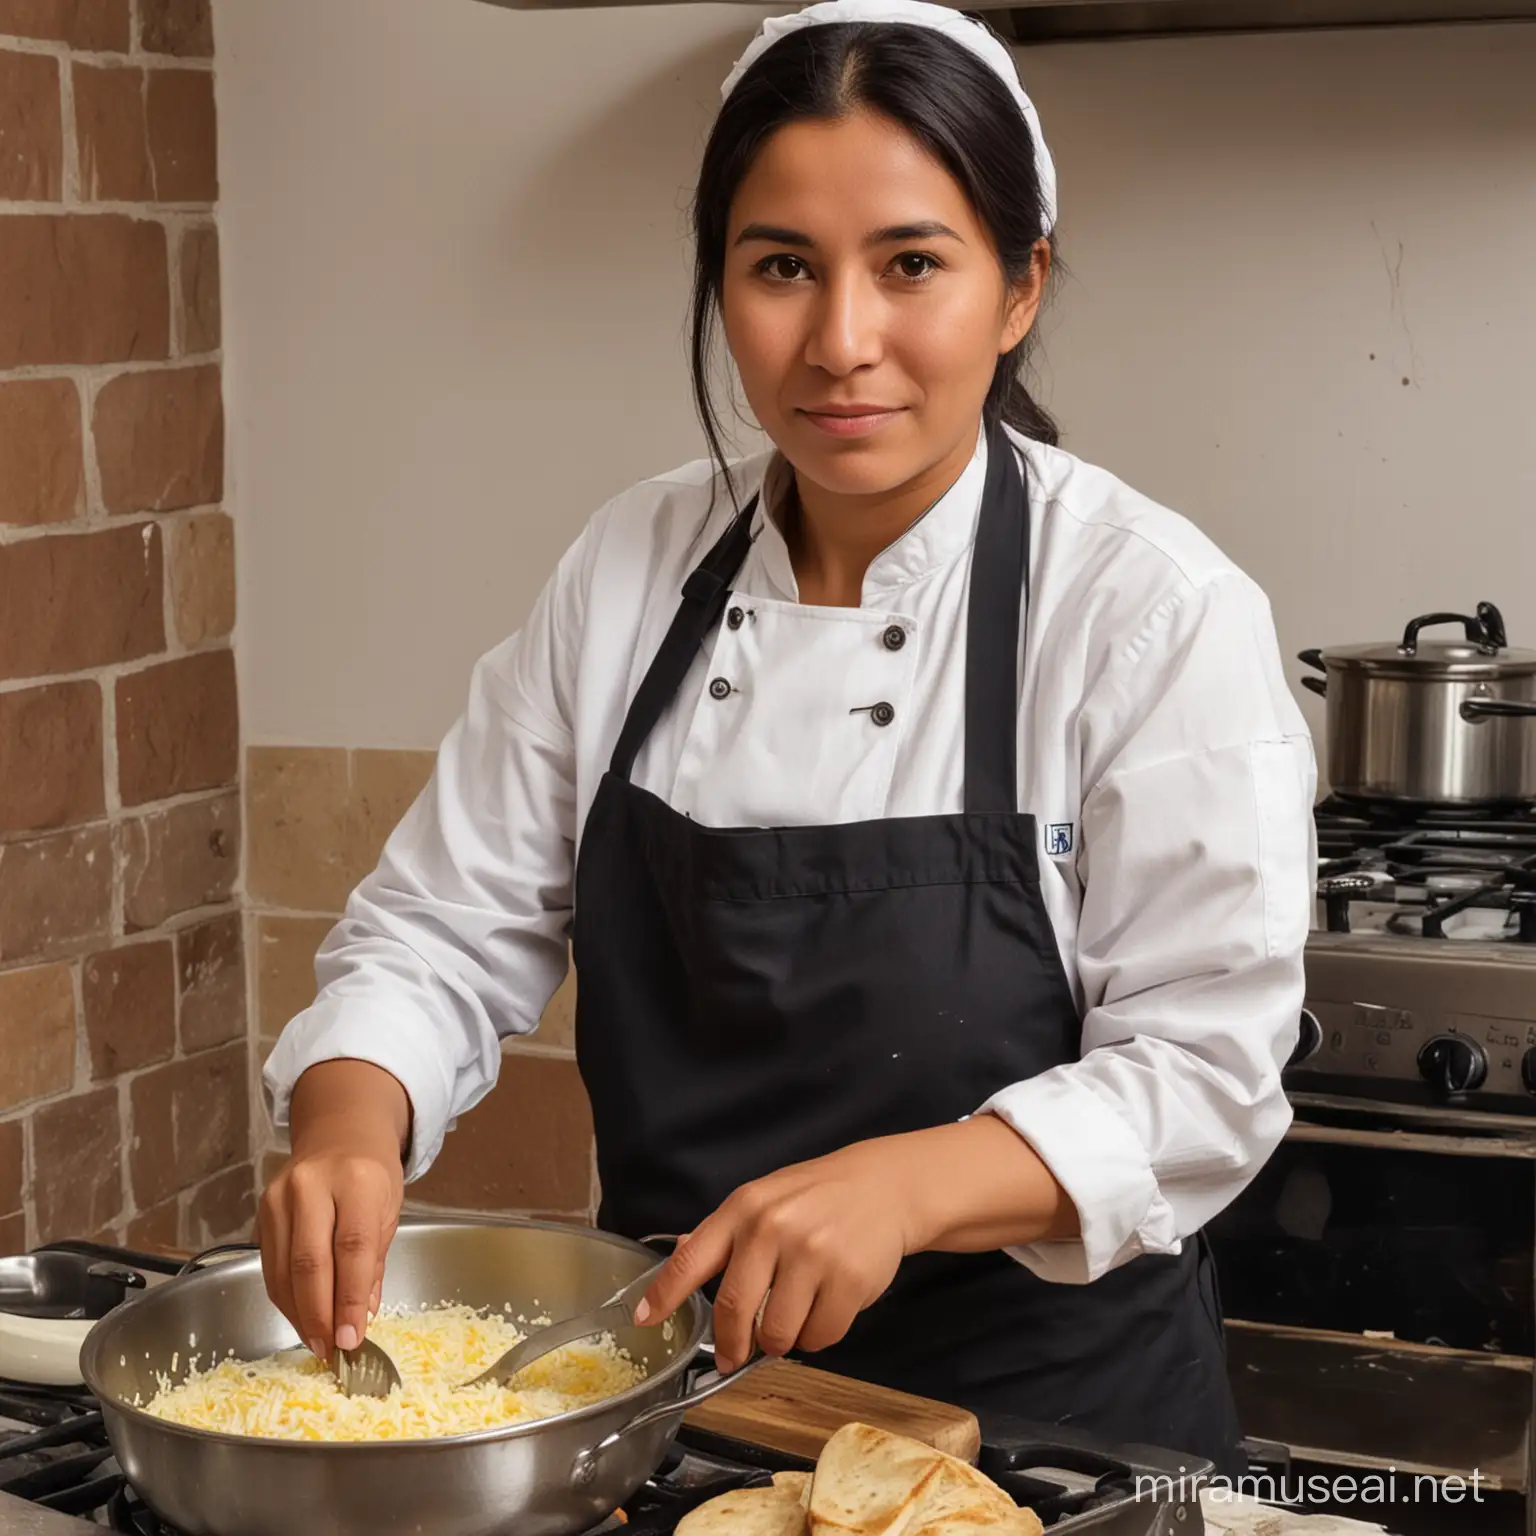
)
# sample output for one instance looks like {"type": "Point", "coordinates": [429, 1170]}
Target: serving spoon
{"type": "Point", "coordinates": [617, 1312]}
{"type": "Point", "coordinates": [365, 1371]}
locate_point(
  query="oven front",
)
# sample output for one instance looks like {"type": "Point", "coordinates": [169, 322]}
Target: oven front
{"type": "Point", "coordinates": [1379, 1274]}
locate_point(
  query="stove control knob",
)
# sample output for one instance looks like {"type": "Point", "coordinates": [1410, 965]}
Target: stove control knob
{"type": "Point", "coordinates": [1310, 1041]}
{"type": "Point", "coordinates": [1528, 1070]}
{"type": "Point", "coordinates": [1453, 1063]}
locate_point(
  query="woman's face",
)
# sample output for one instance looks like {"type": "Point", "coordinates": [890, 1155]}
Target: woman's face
{"type": "Point", "coordinates": [857, 275]}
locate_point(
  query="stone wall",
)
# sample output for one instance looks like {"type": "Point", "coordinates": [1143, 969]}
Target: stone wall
{"type": "Point", "coordinates": [124, 1105]}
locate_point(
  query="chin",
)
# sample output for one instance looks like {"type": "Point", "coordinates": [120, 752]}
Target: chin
{"type": "Point", "coordinates": [852, 467]}
{"type": "Point", "coordinates": [870, 474]}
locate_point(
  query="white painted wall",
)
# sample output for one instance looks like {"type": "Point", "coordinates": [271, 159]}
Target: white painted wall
{"type": "Point", "coordinates": [455, 281]}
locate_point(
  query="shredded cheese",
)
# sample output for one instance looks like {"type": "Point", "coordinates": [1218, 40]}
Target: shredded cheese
{"type": "Point", "coordinates": [293, 1396]}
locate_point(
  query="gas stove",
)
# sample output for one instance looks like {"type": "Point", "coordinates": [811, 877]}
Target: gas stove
{"type": "Point", "coordinates": [1377, 1273]}
{"type": "Point", "coordinates": [54, 1458]}
{"type": "Point", "coordinates": [1459, 876]}
{"type": "Point", "coordinates": [1421, 967]}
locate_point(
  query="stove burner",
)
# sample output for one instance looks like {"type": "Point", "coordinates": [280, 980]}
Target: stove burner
{"type": "Point", "coordinates": [1428, 867]}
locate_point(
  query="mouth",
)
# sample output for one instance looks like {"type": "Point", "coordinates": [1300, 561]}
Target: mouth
{"type": "Point", "coordinates": [853, 420]}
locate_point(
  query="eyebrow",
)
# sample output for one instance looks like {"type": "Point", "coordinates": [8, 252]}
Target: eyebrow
{"type": "Point", "coordinates": [925, 229]}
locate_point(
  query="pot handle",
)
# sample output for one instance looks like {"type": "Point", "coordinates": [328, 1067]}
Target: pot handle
{"type": "Point", "coordinates": [1485, 629]}
{"type": "Point", "coordinates": [1314, 658]}
{"type": "Point", "coordinates": [1490, 709]}
{"type": "Point", "coordinates": [118, 1274]}
{"type": "Point", "coordinates": [150, 1263]}
{"type": "Point", "coordinates": [584, 1468]}
{"type": "Point", "coordinates": [198, 1260]}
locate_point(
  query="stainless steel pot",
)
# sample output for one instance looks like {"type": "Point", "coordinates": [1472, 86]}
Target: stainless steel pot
{"type": "Point", "coordinates": [1432, 723]}
{"type": "Point", "coordinates": [551, 1477]}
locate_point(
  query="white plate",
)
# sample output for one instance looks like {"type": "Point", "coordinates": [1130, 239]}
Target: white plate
{"type": "Point", "coordinates": [44, 1351]}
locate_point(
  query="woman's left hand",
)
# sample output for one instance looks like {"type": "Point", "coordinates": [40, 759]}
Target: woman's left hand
{"type": "Point", "coordinates": [822, 1240]}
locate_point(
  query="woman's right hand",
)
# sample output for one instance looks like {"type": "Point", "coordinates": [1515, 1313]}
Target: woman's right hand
{"type": "Point", "coordinates": [327, 1218]}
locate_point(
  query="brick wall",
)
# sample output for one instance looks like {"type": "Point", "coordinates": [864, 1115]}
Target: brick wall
{"type": "Point", "coordinates": [124, 1070]}
{"type": "Point", "coordinates": [316, 819]}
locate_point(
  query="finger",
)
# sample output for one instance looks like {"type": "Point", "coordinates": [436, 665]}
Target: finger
{"type": "Point", "coordinates": [790, 1302]}
{"type": "Point", "coordinates": [355, 1248]}
{"type": "Point", "coordinates": [747, 1278]}
{"type": "Point", "coordinates": [266, 1242]}
{"type": "Point", "coordinates": [272, 1224]}
{"type": "Point", "coordinates": [697, 1259]}
{"type": "Point", "coordinates": [391, 1226]}
{"type": "Point", "coordinates": [311, 1265]}
{"type": "Point", "coordinates": [838, 1303]}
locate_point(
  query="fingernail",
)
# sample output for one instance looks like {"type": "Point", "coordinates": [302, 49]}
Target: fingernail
{"type": "Point", "coordinates": [346, 1337]}
{"type": "Point", "coordinates": [642, 1313]}
{"type": "Point", "coordinates": [317, 1349]}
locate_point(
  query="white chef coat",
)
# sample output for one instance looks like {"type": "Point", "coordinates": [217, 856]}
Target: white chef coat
{"type": "Point", "coordinates": [1159, 748]}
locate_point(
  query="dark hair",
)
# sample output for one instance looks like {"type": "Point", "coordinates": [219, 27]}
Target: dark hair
{"type": "Point", "coordinates": [942, 94]}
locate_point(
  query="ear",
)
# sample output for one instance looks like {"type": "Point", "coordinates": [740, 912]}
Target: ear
{"type": "Point", "coordinates": [1023, 299]}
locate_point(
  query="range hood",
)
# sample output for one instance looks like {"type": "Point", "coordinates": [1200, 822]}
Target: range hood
{"type": "Point", "coordinates": [1029, 21]}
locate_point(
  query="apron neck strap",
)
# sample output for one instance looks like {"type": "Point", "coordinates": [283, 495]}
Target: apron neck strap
{"type": "Point", "coordinates": [704, 597]}
{"type": "Point", "coordinates": [999, 572]}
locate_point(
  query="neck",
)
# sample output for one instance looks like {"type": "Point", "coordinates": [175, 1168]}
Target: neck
{"type": "Point", "coordinates": [834, 537]}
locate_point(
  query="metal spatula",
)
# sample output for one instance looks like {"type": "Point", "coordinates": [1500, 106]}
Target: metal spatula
{"type": "Point", "coordinates": [365, 1371]}
{"type": "Point", "coordinates": [617, 1312]}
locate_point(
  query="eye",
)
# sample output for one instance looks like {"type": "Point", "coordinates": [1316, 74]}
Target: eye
{"type": "Point", "coordinates": [921, 276]}
{"type": "Point", "coordinates": [765, 266]}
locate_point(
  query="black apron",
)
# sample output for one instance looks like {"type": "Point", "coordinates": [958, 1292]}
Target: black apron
{"type": "Point", "coordinates": [752, 997]}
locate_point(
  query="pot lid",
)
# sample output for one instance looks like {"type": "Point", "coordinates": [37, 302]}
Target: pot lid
{"type": "Point", "coordinates": [1482, 654]}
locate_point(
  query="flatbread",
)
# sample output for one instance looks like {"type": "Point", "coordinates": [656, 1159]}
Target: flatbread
{"type": "Point", "coordinates": [957, 1494]}
{"type": "Point", "coordinates": [797, 1483]}
{"type": "Point", "coordinates": [868, 1482]}
{"type": "Point", "coordinates": [747, 1512]}
{"type": "Point", "coordinates": [872, 1483]}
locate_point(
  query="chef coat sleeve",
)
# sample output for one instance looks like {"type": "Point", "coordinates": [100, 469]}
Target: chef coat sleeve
{"type": "Point", "coordinates": [1197, 862]}
{"type": "Point", "coordinates": [459, 937]}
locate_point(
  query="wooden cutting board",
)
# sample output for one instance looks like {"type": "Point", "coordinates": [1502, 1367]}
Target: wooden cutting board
{"type": "Point", "coordinates": [794, 1409]}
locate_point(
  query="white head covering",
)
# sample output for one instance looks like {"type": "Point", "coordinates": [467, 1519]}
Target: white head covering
{"type": "Point", "coordinates": [917, 13]}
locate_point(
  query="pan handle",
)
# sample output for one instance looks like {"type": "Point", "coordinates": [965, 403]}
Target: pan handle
{"type": "Point", "coordinates": [198, 1260]}
{"type": "Point", "coordinates": [1490, 709]}
{"type": "Point", "coordinates": [584, 1468]}
{"type": "Point", "coordinates": [1317, 685]}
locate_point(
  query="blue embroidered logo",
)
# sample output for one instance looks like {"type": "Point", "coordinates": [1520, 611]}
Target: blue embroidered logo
{"type": "Point", "coordinates": [1058, 839]}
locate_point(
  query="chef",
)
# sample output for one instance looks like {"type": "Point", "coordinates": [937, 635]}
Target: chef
{"type": "Point", "coordinates": [926, 810]}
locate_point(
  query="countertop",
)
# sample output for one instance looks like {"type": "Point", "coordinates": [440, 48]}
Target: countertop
{"type": "Point", "coordinates": [1223, 1517]}
{"type": "Point", "coordinates": [18, 1518]}
{"type": "Point", "coordinates": [1234, 1515]}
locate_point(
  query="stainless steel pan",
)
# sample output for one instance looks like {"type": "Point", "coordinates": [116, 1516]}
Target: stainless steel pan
{"type": "Point", "coordinates": [552, 1477]}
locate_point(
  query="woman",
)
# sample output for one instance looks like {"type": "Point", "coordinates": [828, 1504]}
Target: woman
{"type": "Point", "coordinates": [927, 809]}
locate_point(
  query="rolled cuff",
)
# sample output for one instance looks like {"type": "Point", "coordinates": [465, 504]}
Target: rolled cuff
{"type": "Point", "coordinates": [1098, 1160]}
{"type": "Point", "coordinates": [349, 1029]}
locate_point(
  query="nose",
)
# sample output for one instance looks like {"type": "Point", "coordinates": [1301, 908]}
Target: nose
{"type": "Point", "coordinates": [846, 325]}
